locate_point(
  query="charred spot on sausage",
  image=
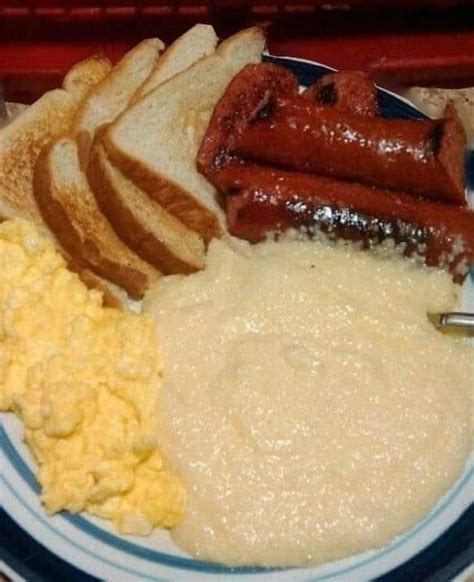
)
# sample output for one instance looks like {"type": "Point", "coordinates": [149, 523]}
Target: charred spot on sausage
{"type": "Point", "coordinates": [234, 190]}
{"type": "Point", "coordinates": [327, 94]}
{"type": "Point", "coordinates": [436, 138]}
{"type": "Point", "coordinates": [265, 112]}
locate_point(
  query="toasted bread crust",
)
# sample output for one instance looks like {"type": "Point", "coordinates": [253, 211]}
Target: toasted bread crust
{"type": "Point", "coordinates": [84, 75]}
{"type": "Point", "coordinates": [133, 231]}
{"type": "Point", "coordinates": [20, 144]}
{"type": "Point", "coordinates": [176, 114]}
{"type": "Point", "coordinates": [22, 140]}
{"type": "Point", "coordinates": [85, 251]}
{"type": "Point", "coordinates": [113, 296]}
{"type": "Point", "coordinates": [167, 193]}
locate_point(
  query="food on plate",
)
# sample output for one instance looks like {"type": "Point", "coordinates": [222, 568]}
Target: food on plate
{"type": "Point", "coordinates": [351, 91]}
{"type": "Point", "coordinates": [113, 295]}
{"type": "Point", "coordinates": [95, 237]}
{"type": "Point", "coordinates": [65, 197]}
{"type": "Point", "coordinates": [309, 410]}
{"type": "Point", "coordinates": [85, 381]}
{"type": "Point", "coordinates": [198, 42]}
{"type": "Point", "coordinates": [21, 142]}
{"type": "Point", "coordinates": [252, 88]}
{"type": "Point", "coordinates": [283, 128]}
{"type": "Point", "coordinates": [433, 101]}
{"type": "Point", "coordinates": [155, 142]}
{"type": "Point", "coordinates": [143, 224]}
{"type": "Point", "coordinates": [70, 209]}
{"type": "Point", "coordinates": [112, 95]}
{"type": "Point", "coordinates": [23, 139]}
{"type": "Point", "coordinates": [423, 157]}
{"type": "Point", "coordinates": [262, 118]}
{"type": "Point", "coordinates": [308, 404]}
{"type": "Point", "coordinates": [265, 202]}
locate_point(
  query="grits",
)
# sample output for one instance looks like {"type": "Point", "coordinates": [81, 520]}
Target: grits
{"type": "Point", "coordinates": [308, 404]}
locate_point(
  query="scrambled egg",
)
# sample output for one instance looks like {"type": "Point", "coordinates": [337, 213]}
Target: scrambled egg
{"type": "Point", "coordinates": [84, 379]}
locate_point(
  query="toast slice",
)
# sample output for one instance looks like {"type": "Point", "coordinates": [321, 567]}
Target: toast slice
{"type": "Point", "coordinates": [112, 95]}
{"type": "Point", "coordinates": [156, 140]}
{"type": "Point", "coordinates": [198, 42]}
{"type": "Point", "coordinates": [86, 74]}
{"type": "Point", "coordinates": [22, 140]}
{"type": "Point", "coordinates": [145, 226]}
{"type": "Point", "coordinates": [113, 296]}
{"type": "Point", "coordinates": [69, 208]}
{"type": "Point", "coordinates": [76, 83]}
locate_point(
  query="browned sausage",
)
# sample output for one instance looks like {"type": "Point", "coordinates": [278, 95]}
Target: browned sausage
{"type": "Point", "coordinates": [264, 201]}
{"type": "Point", "coordinates": [253, 90]}
{"type": "Point", "coordinates": [351, 91]}
{"type": "Point", "coordinates": [423, 157]}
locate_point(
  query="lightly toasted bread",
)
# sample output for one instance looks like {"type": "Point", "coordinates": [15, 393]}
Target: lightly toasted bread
{"type": "Point", "coordinates": [112, 95]}
{"type": "Point", "coordinates": [155, 141]}
{"type": "Point", "coordinates": [198, 42]}
{"type": "Point", "coordinates": [146, 227]}
{"type": "Point", "coordinates": [22, 140]}
{"type": "Point", "coordinates": [143, 224]}
{"type": "Point", "coordinates": [77, 82]}
{"type": "Point", "coordinates": [70, 210]}
{"type": "Point", "coordinates": [112, 295]}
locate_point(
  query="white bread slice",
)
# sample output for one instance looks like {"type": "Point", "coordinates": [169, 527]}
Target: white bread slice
{"type": "Point", "coordinates": [77, 82]}
{"type": "Point", "coordinates": [145, 226]}
{"type": "Point", "coordinates": [71, 212]}
{"type": "Point", "coordinates": [198, 42]}
{"type": "Point", "coordinates": [112, 95]}
{"type": "Point", "coordinates": [86, 74]}
{"type": "Point", "coordinates": [22, 140]}
{"type": "Point", "coordinates": [155, 141]}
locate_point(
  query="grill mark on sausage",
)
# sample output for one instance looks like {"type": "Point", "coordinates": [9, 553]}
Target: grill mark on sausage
{"type": "Point", "coordinates": [265, 112]}
{"type": "Point", "coordinates": [327, 94]}
{"type": "Point", "coordinates": [436, 139]}
{"type": "Point", "coordinates": [359, 226]}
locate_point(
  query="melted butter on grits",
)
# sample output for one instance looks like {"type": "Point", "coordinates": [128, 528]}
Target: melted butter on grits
{"type": "Point", "coordinates": [308, 404]}
{"type": "Point", "coordinates": [84, 380]}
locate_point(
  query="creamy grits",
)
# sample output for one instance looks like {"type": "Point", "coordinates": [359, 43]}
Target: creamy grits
{"type": "Point", "coordinates": [308, 404]}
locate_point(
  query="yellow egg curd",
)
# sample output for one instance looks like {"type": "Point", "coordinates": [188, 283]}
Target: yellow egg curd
{"type": "Point", "coordinates": [85, 380]}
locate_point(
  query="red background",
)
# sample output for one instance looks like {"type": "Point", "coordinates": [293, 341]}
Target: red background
{"type": "Point", "coordinates": [399, 42]}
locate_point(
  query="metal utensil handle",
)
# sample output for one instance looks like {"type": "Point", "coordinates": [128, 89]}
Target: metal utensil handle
{"type": "Point", "coordinates": [457, 320]}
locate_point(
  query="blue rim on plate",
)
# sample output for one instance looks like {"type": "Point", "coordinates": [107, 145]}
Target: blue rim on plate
{"type": "Point", "coordinates": [441, 560]}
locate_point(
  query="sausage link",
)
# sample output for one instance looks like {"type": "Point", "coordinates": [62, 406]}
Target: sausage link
{"type": "Point", "coordinates": [253, 90]}
{"type": "Point", "coordinates": [264, 201]}
{"type": "Point", "coordinates": [422, 157]}
{"type": "Point", "coordinates": [351, 91]}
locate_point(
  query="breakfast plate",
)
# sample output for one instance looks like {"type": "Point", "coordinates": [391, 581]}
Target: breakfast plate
{"type": "Point", "coordinates": [76, 547]}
